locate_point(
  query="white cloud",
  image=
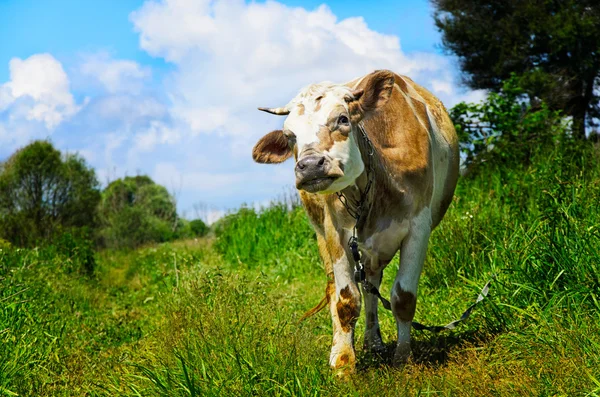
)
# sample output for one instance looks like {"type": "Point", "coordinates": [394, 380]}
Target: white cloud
{"type": "Point", "coordinates": [168, 174]}
{"type": "Point", "coordinates": [128, 108]}
{"type": "Point", "coordinates": [38, 90]}
{"type": "Point", "coordinates": [441, 86]}
{"type": "Point", "coordinates": [231, 57]}
{"type": "Point", "coordinates": [116, 75]}
{"type": "Point", "coordinates": [209, 185]}
{"type": "Point", "coordinates": [157, 133]}
{"type": "Point", "coordinates": [453, 94]}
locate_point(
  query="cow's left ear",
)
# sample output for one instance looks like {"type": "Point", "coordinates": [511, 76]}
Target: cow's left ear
{"type": "Point", "coordinates": [372, 93]}
{"type": "Point", "coordinates": [272, 148]}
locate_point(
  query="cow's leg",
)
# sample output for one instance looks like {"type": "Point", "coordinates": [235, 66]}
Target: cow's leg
{"type": "Point", "coordinates": [344, 304]}
{"type": "Point", "coordinates": [373, 341]}
{"type": "Point", "coordinates": [404, 290]}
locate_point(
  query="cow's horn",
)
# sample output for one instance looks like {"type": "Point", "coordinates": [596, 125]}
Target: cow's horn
{"type": "Point", "coordinates": [277, 111]}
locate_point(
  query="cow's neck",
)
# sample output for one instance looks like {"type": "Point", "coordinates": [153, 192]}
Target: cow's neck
{"type": "Point", "coordinates": [360, 193]}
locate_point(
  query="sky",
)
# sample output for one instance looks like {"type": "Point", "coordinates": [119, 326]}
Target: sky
{"type": "Point", "coordinates": [169, 88]}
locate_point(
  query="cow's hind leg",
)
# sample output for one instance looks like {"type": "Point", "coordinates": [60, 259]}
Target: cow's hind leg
{"type": "Point", "coordinates": [404, 290]}
{"type": "Point", "coordinates": [344, 304]}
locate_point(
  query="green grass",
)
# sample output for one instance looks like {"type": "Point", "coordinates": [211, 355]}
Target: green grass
{"type": "Point", "coordinates": [202, 318]}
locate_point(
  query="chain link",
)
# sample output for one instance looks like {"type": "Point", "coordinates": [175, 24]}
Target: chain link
{"type": "Point", "coordinates": [356, 213]}
{"type": "Point", "coordinates": [359, 270]}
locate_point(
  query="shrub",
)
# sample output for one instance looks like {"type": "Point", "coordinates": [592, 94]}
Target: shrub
{"type": "Point", "coordinates": [135, 211]}
{"type": "Point", "coordinates": [75, 251]}
{"type": "Point", "coordinates": [5, 245]}
{"type": "Point", "coordinates": [505, 129]}
{"type": "Point", "coordinates": [199, 228]}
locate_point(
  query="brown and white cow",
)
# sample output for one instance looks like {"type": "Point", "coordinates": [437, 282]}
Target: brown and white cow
{"type": "Point", "coordinates": [415, 165]}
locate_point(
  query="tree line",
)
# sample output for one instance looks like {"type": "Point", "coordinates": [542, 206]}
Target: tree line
{"type": "Point", "coordinates": [45, 194]}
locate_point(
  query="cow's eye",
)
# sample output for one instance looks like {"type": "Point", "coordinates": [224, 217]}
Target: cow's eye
{"type": "Point", "coordinates": [343, 120]}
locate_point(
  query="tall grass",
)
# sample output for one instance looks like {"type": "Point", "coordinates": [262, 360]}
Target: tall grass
{"type": "Point", "coordinates": [195, 319]}
{"type": "Point", "coordinates": [278, 240]}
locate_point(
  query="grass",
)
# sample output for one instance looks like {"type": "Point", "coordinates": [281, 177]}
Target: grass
{"type": "Point", "coordinates": [203, 318]}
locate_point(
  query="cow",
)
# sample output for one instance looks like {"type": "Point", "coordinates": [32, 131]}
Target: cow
{"type": "Point", "coordinates": [377, 163]}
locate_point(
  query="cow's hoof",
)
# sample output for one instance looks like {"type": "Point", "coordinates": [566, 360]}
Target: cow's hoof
{"type": "Point", "coordinates": [374, 347]}
{"type": "Point", "coordinates": [344, 364]}
{"type": "Point", "coordinates": [344, 372]}
{"type": "Point", "coordinates": [402, 354]}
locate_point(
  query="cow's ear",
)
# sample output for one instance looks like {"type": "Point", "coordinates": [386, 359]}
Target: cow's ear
{"type": "Point", "coordinates": [373, 92]}
{"type": "Point", "coordinates": [272, 148]}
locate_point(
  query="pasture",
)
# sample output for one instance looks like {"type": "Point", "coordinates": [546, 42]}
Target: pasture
{"type": "Point", "coordinates": [219, 316]}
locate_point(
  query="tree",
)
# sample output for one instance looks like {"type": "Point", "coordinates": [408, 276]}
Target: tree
{"type": "Point", "coordinates": [553, 46]}
{"type": "Point", "coordinates": [199, 228]}
{"type": "Point", "coordinates": [503, 129]}
{"type": "Point", "coordinates": [43, 193]}
{"type": "Point", "coordinates": [134, 211]}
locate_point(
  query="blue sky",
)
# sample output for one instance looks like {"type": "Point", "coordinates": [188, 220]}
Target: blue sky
{"type": "Point", "coordinates": [169, 88]}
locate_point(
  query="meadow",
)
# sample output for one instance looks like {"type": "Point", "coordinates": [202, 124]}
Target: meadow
{"type": "Point", "coordinates": [218, 316]}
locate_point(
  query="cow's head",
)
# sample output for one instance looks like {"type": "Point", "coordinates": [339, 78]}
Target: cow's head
{"type": "Point", "coordinates": [321, 132]}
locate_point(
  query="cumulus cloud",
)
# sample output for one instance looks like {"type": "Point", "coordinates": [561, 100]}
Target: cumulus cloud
{"type": "Point", "coordinates": [157, 133]}
{"type": "Point", "coordinates": [231, 56]}
{"type": "Point", "coordinates": [116, 75]}
{"type": "Point", "coordinates": [38, 90]}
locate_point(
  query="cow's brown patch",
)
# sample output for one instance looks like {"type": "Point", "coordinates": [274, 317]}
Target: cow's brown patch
{"type": "Point", "coordinates": [325, 139]}
{"type": "Point", "coordinates": [301, 109]}
{"type": "Point", "coordinates": [347, 309]}
{"type": "Point", "coordinates": [401, 83]}
{"type": "Point", "coordinates": [371, 94]}
{"type": "Point", "coordinates": [313, 207]}
{"type": "Point", "coordinates": [345, 293]}
{"type": "Point", "coordinates": [272, 148]}
{"type": "Point", "coordinates": [330, 289]}
{"type": "Point", "coordinates": [335, 249]}
{"type": "Point", "coordinates": [343, 359]}
{"type": "Point", "coordinates": [404, 304]}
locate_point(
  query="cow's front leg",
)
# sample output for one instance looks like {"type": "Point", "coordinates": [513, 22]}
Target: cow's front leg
{"type": "Point", "coordinates": [373, 342]}
{"type": "Point", "coordinates": [404, 290]}
{"type": "Point", "coordinates": [344, 304]}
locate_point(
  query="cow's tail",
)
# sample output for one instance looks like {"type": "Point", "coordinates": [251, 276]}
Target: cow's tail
{"type": "Point", "coordinates": [320, 306]}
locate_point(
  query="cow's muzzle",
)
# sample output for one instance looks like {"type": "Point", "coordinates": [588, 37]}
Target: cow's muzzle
{"type": "Point", "coordinates": [314, 173]}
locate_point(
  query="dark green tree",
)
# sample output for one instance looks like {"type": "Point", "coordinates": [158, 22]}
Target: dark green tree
{"type": "Point", "coordinates": [199, 228]}
{"type": "Point", "coordinates": [553, 46]}
{"type": "Point", "coordinates": [43, 193]}
{"type": "Point", "coordinates": [134, 211]}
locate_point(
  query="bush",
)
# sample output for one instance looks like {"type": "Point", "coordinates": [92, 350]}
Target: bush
{"type": "Point", "coordinates": [75, 251]}
{"type": "Point", "coordinates": [199, 228]}
{"type": "Point", "coordinates": [135, 211]}
{"type": "Point", "coordinates": [43, 193]}
{"type": "Point", "coordinates": [5, 245]}
{"type": "Point", "coordinates": [505, 129]}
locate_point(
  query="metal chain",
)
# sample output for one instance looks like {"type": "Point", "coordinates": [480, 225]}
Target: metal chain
{"type": "Point", "coordinates": [359, 270]}
{"type": "Point", "coordinates": [370, 175]}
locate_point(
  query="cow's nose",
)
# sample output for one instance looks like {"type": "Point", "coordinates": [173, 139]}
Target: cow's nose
{"type": "Point", "coordinates": [311, 162]}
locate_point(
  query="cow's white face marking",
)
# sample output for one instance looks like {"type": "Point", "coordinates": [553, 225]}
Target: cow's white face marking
{"type": "Point", "coordinates": [320, 122]}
